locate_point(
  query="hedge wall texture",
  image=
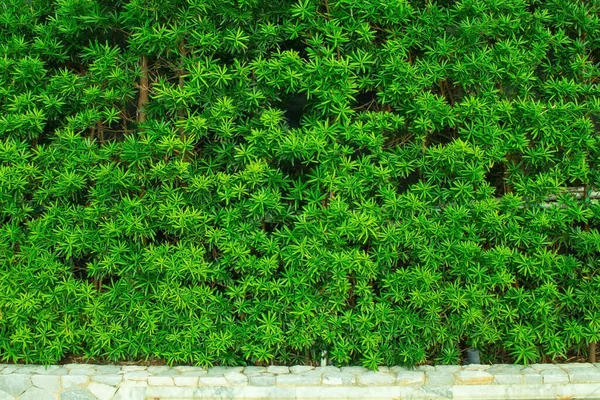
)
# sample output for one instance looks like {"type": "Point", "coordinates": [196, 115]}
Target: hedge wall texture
{"type": "Point", "coordinates": [231, 182]}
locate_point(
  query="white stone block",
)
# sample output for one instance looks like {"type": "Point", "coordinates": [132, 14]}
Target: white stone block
{"type": "Point", "coordinates": [262, 380]}
{"type": "Point", "coordinates": [410, 378]}
{"type": "Point", "coordinates": [141, 375]}
{"type": "Point", "coordinates": [186, 380]}
{"type": "Point", "coordinates": [102, 391]}
{"type": "Point", "coordinates": [338, 378]}
{"type": "Point", "coordinates": [298, 380]}
{"type": "Point", "coordinates": [236, 379]}
{"type": "Point", "coordinates": [354, 370]}
{"type": "Point", "coordinates": [473, 377]}
{"type": "Point", "coordinates": [71, 381]}
{"type": "Point", "coordinates": [50, 383]}
{"type": "Point", "coordinates": [35, 393]}
{"type": "Point", "coordinates": [277, 370]}
{"type": "Point", "coordinates": [112, 380]}
{"type": "Point", "coordinates": [375, 379]}
{"type": "Point", "coordinates": [160, 381]}
{"type": "Point", "coordinates": [554, 376]}
{"type": "Point", "coordinates": [298, 369]}
{"type": "Point", "coordinates": [584, 375]}
{"type": "Point", "coordinates": [435, 378]}
{"type": "Point", "coordinates": [213, 381]}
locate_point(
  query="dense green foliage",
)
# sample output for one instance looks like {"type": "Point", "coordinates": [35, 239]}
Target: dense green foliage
{"type": "Point", "coordinates": [366, 177]}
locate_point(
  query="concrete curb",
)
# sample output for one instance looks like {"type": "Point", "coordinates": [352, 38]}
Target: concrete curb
{"type": "Point", "coordinates": [486, 382]}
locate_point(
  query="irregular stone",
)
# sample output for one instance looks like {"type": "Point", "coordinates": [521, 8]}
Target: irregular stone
{"type": "Point", "coordinates": [278, 370]}
{"type": "Point", "coordinates": [338, 378]}
{"type": "Point", "coordinates": [212, 381]}
{"type": "Point", "coordinates": [187, 368]}
{"type": "Point", "coordinates": [50, 383]}
{"type": "Point", "coordinates": [435, 378]}
{"type": "Point", "coordinates": [5, 396]}
{"type": "Point", "coordinates": [584, 375]}
{"type": "Point", "coordinates": [375, 379]}
{"type": "Point", "coordinates": [82, 371]}
{"type": "Point", "coordinates": [136, 376]}
{"type": "Point", "coordinates": [354, 370]}
{"type": "Point", "coordinates": [221, 371]}
{"type": "Point", "coordinates": [448, 368]}
{"type": "Point", "coordinates": [169, 372]}
{"type": "Point", "coordinates": [531, 376]}
{"type": "Point", "coordinates": [297, 369]}
{"type": "Point", "coordinates": [78, 394]}
{"type": "Point", "coordinates": [198, 372]}
{"type": "Point", "coordinates": [544, 367]}
{"type": "Point", "coordinates": [410, 378]}
{"type": "Point", "coordinates": [70, 381]}
{"type": "Point", "coordinates": [236, 379]}
{"type": "Point", "coordinates": [109, 369]}
{"type": "Point", "coordinates": [474, 377]}
{"type": "Point", "coordinates": [253, 371]}
{"type": "Point", "coordinates": [555, 376]}
{"type": "Point", "coordinates": [294, 379]}
{"type": "Point", "coordinates": [158, 369]}
{"type": "Point", "coordinates": [112, 380]}
{"type": "Point", "coordinates": [571, 366]}
{"type": "Point", "coordinates": [395, 369]}
{"type": "Point", "coordinates": [508, 379]}
{"type": "Point", "coordinates": [476, 367]}
{"type": "Point", "coordinates": [35, 393]}
{"type": "Point", "coordinates": [505, 369]}
{"type": "Point", "coordinates": [27, 369]}
{"type": "Point", "coordinates": [14, 385]}
{"type": "Point", "coordinates": [58, 372]}
{"type": "Point", "coordinates": [132, 368]}
{"type": "Point", "coordinates": [102, 391]}
{"type": "Point", "coordinates": [48, 369]}
{"type": "Point", "coordinates": [262, 380]}
{"type": "Point", "coordinates": [186, 380]}
{"type": "Point", "coordinates": [9, 369]}
{"type": "Point", "coordinates": [383, 369]}
{"type": "Point", "coordinates": [160, 381]}
{"type": "Point", "coordinates": [426, 368]}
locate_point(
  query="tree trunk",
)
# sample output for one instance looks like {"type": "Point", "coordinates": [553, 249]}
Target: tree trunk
{"type": "Point", "coordinates": [144, 97]}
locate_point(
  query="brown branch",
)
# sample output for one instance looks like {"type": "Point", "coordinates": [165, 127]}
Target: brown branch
{"type": "Point", "coordinates": [592, 355]}
{"type": "Point", "coordinates": [100, 131]}
{"type": "Point", "coordinates": [144, 96]}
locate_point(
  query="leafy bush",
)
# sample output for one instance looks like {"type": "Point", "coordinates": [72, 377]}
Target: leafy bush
{"type": "Point", "coordinates": [231, 182]}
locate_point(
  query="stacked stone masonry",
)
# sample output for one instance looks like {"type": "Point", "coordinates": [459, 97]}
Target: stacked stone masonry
{"type": "Point", "coordinates": [104, 382]}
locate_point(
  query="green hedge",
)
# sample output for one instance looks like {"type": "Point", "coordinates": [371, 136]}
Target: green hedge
{"type": "Point", "coordinates": [227, 182]}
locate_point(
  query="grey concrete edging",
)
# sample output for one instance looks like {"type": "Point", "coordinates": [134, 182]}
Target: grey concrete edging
{"type": "Point", "coordinates": [491, 382]}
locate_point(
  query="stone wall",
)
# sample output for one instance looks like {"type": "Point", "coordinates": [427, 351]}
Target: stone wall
{"type": "Point", "coordinates": [103, 382]}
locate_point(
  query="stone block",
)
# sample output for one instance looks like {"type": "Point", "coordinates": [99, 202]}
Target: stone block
{"type": "Point", "coordinates": [277, 370]}
{"type": "Point", "coordinates": [298, 380]}
{"type": "Point", "coordinates": [375, 379]}
{"type": "Point", "coordinates": [354, 370]}
{"type": "Point", "coordinates": [435, 378]}
{"type": "Point", "coordinates": [213, 381]}
{"type": "Point", "coordinates": [584, 375]}
{"type": "Point", "coordinates": [531, 376]}
{"type": "Point", "coordinates": [426, 368]}
{"type": "Point", "coordinates": [160, 381]}
{"type": "Point", "coordinates": [133, 368]}
{"type": "Point", "coordinates": [476, 367]}
{"type": "Point", "coordinates": [406, 378]}
{"type": "Point", "coordinates": [156, 369]}
{"type": "Point", "coordinates": [297, 369]}
{"type": "Point", "coordinates": [102, 391]}
{"type": "Point", "coordinates": [5, 396]}
{"type": "Point", "coordinates": [473, 377]}
{"type": "Point", "coordinates": [50, 383]}
{"type": "Point", "coordinates": [72, 381]}
{"type": "Point", "coordinates": [236, 379]}
{"type": "Point", "coordinates": [449, 369]}
{"type": "Point", "coordinates": [77, 394]}
{"type": "Point", "coordinates": [338, 378]}
{"type": "Point", "coordinates": [185, 380]}
{"type": "Point", "coordinates": [109, 369]}
{"type": "Point", "coordinates": [168, 372]}
{"type": "Point", "coordinates": [262, 380]}
{"type": "Point", "coordinates": [508, 379]}
{"type": "Point", "coordinates": [252, 370]}
{"type": "Point", "coordinates": [35, 393]}
{"type": "Point", "coordinates": [14, 385]}
{"type": "Point", "coordinates": [82, 371]}
{"type": "Point", "coordinates": [141, 375]}
{"type": "Point", "coordinates": [554, 376]}
{"type": "Point", "coordinates": [221, 371]}
{"type": "Point", "coordinates": [112, 380]}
